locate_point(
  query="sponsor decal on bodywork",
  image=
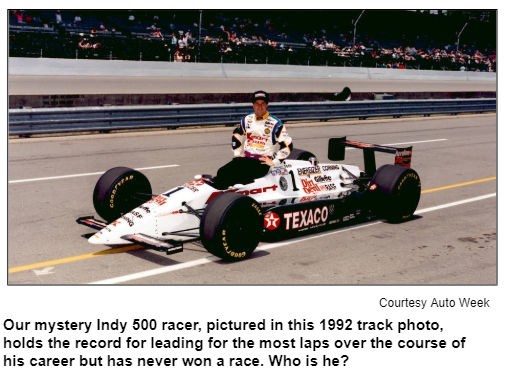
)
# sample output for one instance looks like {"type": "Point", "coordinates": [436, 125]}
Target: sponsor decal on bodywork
{"type": "Point", "coordinates": [322, 178]}
{"type": "Point", "coordinates": [159, 200]}
{"type": "Point", "coordinates": [253, 191]}
{"type": "Point", "coordinates": [309, 186]}
{"type": "Point", "coordinates": [403, 157]}
{"type": "Point", "coordinates": [330, 167]}
{"type": "Point", "coordinates": [271, 221]}
{"type": "Point", "coordinates": [307, 198]}
{"type": "Point", "coordinates": [309, 170]}
{"type": "Point", "coordinates": [128, 220]}
{"type": "Point", "coordinates": [306, 218]}
{"type": "Point", "coordinates": [278, 171]}
{"type": "Point", "coordinates": [168, 213]}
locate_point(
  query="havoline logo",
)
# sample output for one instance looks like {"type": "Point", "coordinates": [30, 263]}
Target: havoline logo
{"type": "Point", "coordinates": [309, 217]}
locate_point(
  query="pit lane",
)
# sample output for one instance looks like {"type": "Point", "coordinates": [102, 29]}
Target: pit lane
{"type": "Point", "coordinates": [454, 245]}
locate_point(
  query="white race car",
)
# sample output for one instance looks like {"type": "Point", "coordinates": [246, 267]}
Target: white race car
{"type": "Point", "coordinates": [297, 197]}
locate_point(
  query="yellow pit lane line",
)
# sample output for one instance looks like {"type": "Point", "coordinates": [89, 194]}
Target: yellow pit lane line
{"type": "Point", "coordinates": [73, 259]}
{"type": "Point", "coordinates": [459, 185]}
{"type": "Point", "coordinates": [134, 247]}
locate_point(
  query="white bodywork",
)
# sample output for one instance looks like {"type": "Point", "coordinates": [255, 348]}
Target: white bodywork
{"type": "Point", "coordinates": [166, 213]}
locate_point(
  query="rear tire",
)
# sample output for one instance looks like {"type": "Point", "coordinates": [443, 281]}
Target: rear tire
{"type": "Point", "coordinates": [300, 155]}
{"type": "Point", "coordinates": [396, 192]}
{"type": "Point", "coordinates": [118, 191]}
{"type": "Point", "coordinates": [231, 226]}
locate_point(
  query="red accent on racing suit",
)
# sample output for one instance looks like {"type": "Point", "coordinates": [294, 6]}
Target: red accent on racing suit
{"type": "Point", "coordinates": [262, 137]}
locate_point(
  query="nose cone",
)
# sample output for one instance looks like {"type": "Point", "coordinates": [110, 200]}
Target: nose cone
{"type": "Point", "coordinates": [95, 239]}
{"type": "Point", "coordinates": [111, 234]}
{"type": "Point", "coordinates": [108, 239]}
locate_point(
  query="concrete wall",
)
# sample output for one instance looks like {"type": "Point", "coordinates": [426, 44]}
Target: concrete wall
{"type": "Point", "coordinates": [83, 67]}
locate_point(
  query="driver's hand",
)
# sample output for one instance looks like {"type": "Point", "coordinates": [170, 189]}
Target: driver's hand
{"type": "Point", "coordinates": [267, 161]}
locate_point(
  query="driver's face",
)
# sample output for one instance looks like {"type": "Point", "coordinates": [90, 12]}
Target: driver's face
{"type": "Point", "coordinates": [260, 108]}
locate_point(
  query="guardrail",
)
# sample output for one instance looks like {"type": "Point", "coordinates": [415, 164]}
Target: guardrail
{"type": "Point", "coordinates": [25, 122]}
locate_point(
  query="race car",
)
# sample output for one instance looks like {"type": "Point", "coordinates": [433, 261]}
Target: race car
{"type": "Point", "coordinates": [297, 197]}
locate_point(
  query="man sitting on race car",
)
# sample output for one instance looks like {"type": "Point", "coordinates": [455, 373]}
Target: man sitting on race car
{"type": "Point", "coordinates": [260, 141]}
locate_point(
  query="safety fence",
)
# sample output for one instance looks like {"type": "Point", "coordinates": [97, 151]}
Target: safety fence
{"type": "Point", "coordinates": [29, 121]}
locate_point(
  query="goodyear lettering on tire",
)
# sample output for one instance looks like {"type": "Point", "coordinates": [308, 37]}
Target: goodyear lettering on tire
{"type": "Point", "coordinates": [257, 208]}
{"type": "Point", "coordinates": [118, 184]}
{"type": "Point", "coordinates": [228, 250]}
{"type": "Point", "coordinates": [409, 175]}
{"type": "Point", "coordinates": [416, 178]}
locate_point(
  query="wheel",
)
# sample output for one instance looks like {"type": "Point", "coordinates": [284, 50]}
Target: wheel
{"type": "Point", "coordinates": [300, 155]}
{"type": "Point", "coordinates": [118, 191]}
{"type": "Point", "coordinates": [396, 192]}
{"type": "Point", "coordinates": [231, 226]}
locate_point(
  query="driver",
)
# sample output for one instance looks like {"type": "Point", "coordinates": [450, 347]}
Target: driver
{"type": "Point", "coordinates": [259, 142]}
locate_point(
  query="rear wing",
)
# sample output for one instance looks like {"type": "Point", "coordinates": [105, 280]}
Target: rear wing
{"type": "Point", "coordinates": [336, 152]}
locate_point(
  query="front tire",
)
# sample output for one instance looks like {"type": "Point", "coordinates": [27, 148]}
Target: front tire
{"type": "Point", "coordinates": [118, 191]}
{"type": "Point", "coordinates": [396, 191]}
{"type": "Point", "coordinates": [231, 226]}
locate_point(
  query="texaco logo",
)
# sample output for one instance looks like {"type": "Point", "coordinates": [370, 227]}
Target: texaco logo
{"type": "Point", "coordinates": [271, 221]}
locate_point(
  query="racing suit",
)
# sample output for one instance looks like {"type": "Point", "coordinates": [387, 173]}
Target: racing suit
{"type": "Point", "coordinates": [256, 137]}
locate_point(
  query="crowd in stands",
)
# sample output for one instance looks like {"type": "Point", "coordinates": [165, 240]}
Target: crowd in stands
{"type": "Point", "coordinates": [255, 37]}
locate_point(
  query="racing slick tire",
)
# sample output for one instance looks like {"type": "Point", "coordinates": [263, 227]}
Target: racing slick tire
{"type": "Point", "coordinates": [396, 192]}
{"type": "Point", "coordinates": [118, 191]}
{"type": "Point", "coordinates": [300, 155]}
{"type": "Point", "coordinates": [231, 226]}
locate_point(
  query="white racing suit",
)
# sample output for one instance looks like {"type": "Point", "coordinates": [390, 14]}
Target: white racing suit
{"type": "Point", "coordinates": [256, 137]}
{"type": "Point", "coordinates": [262, 137]}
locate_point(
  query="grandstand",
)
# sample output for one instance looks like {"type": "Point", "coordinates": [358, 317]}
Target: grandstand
{"type": "Point", "coordinates": [389, 39]}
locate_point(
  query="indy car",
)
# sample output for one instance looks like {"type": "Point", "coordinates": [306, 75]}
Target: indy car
{"type": "Point", "coordinates": [297, 197]}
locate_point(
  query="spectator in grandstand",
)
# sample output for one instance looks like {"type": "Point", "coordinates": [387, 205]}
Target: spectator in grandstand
{"type": "Point", "coordinates": [77, 19]}
{"type": "Point", "coordinates": [36, 18]}
{"type": "Point", "coordinates": [181, 42]}
{"type": "Point", "coordinates": [94, 32]}
{"type": "Point", "coordinates": [131, 19]}
{"type": "Point", "coordinates": [19, 16]}
{"type": "Point", "coordinates": [157, 34]}
{"type": "Point", "coordinates": [58, 17]}
{"type": "Point", "coordinates": [174, 39]}
{"type": "Point", "coordinates": [178, 56]}
{"type": "Point", "coordinates": [84, 44]}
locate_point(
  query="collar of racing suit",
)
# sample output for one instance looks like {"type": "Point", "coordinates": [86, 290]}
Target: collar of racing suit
{"type": "Point", "coordinates": [259, 118]}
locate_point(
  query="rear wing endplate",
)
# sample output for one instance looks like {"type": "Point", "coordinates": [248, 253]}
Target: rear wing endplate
{"type": "Point", "coordinates": [336, 152]}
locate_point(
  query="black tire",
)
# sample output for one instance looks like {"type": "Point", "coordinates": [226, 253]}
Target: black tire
{"type": "Point", "coordinates": [300, 155]}
{"type": "Point", "coordinates": [118, 191]}
{"type": "Point", "coordinates": [231, 226]}
{"type": "Point", "coordinates": [395, 192]}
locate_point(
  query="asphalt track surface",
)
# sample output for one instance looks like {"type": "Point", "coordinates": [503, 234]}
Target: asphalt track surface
{"type": "Point", "coordinates": [452, 239]}
{"type": "Point", "coordinates": [46, 85]}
